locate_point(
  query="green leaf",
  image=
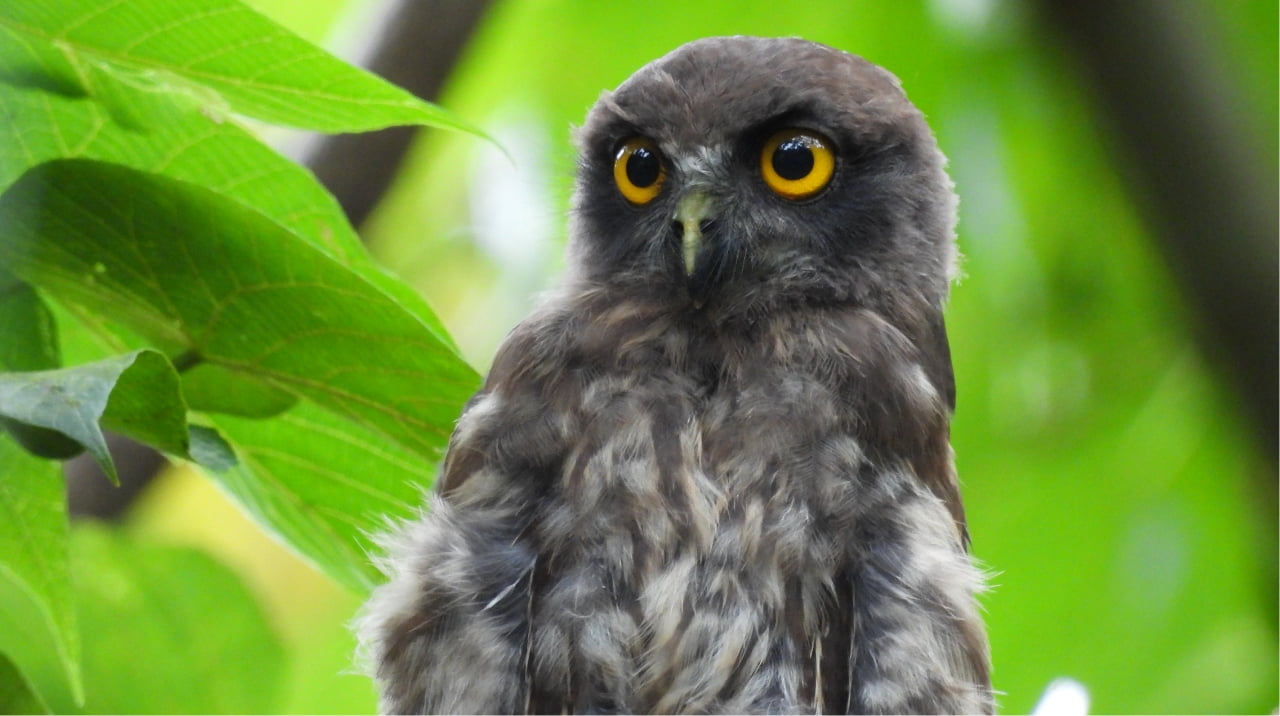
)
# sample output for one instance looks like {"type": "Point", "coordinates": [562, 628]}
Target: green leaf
{"type": "Point", "coordinates": [39, 126]}
{"type": "Point", "coordinates": [210, 450]}
{"type": "Point", "coordinates": [323, 485]}
{"type": "Point", "coordinates": [168, 630]}
{"type": "Point", "coordinates": [158, 132]}
{"type": "Point", "coordinates": [30, 335]}
{"type": "Point", "coordinates": [30, 343]}
{"type": "Point", "coordinates": [135, 394]}
{"type": "Point", "coordinates": [198, 274]}
{"type": "Point", "coordinates": [42, 442]}
{"type": "Point", "coordinates": [218, 389]}
{"type": "Point", "coordinates": [15, 696]}
{"type": "Point", "coordinates": [219, 54]}
{"type": "Point", "coordinates": [37, 618]}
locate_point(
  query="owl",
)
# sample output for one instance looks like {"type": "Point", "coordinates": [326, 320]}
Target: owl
{"type": "Point", "coordinates": [712, 472]}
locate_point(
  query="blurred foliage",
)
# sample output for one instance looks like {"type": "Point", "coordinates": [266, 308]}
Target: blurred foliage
{"type": "Point", "coordinates": [1108, 481]}
{"type": "Point", "coordinates": [307, 610]}
{"type": "Point", "coordinates": [145, 614]}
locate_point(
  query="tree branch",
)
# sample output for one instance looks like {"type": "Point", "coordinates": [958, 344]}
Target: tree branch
{"type": "Point", "coordinates": [417, 49]}
{"type": "Point", "coordinates": [1207, 185]}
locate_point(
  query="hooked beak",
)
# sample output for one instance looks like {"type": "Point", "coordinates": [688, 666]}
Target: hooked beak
{"type": "Point", "coordinates": [692, 212]}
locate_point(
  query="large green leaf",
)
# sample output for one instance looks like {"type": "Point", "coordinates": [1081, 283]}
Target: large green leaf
{"type": "Point", "coordinates": [323, 485]}
{"type": "Point", "coordinates": [37, 618]}
{"type": "Point", "coordinates": [37, 125]}
{"type": "Point", "coordinates": [168, 630]}
{"type": "Point", "coordinates": [219, 53]}
{"type": "Point", "coordinates": [135, 394]}
{"type": "Point", "coordinates": [205, 277]}
{"type": "Point", "coordinates": [55, 104]}
{"type": "Point", "coordinates": [178, 140]}
{"type": "Point", "coordinates": [217, 389]}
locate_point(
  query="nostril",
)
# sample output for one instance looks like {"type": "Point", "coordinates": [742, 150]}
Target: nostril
{"type": "Point", "coordinates": [707, 226]}
{"type": "Point", "coordinates": [677, 229]}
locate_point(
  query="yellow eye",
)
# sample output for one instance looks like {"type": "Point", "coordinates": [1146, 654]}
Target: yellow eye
{"type": "Point", "coordinates": [638, 170]}
{"type": "Point", "coordinates": [797, 163]}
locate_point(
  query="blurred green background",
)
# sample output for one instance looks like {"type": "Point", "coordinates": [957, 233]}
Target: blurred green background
{"type": "Point", "coordinates": [1110, 483]}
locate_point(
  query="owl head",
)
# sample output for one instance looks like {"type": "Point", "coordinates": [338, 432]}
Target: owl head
{"type": "Point", "coordinates": [741, 175]}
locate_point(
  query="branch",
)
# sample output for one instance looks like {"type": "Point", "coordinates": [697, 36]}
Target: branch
{"type": "Point", "coordinates": [419, 43]}
{"type": "Point", "coordinates": [1206, 183]}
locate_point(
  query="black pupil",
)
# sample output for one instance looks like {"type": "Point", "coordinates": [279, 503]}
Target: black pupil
{"type": "Point", "coordinates": [643, 167]}
{"type": "Point", "coordinates": [793, 159]}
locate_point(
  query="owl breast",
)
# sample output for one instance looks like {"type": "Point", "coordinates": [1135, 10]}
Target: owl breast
{"type": "Point", "coordinates": [699, 540]}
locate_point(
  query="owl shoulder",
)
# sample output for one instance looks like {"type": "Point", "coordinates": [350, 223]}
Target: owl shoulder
{"type": "Point", "coordinates": [514, 427]}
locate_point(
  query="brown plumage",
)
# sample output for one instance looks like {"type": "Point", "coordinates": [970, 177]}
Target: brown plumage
{"type": "Point", "coordinates": [712, 473]}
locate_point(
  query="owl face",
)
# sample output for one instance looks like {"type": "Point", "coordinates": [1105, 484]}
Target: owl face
{"type": "Point", "coordinates": [741, 175]}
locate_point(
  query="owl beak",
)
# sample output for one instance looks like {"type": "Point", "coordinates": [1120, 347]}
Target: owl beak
{"type": "Point", "coordinates": [692, 213]}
